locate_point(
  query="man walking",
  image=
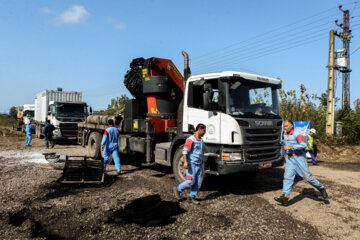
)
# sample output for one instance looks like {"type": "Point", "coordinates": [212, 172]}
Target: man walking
{"type": "Point", "coordinates": [110, 145]}
{"type": "Point", "coordinates": [192, 154]}
{"type": "Point", "coordinates": [296, 163]}
{"type": "Point", "coordinates": [48, 131]}
{"type": "Point", "coordinates": [310, 145]}
{"type": "Point", "coordinates": [28, 131]}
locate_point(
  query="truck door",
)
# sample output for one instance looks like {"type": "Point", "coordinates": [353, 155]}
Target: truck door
{"type": "Point", "coordinates": [202, 107]}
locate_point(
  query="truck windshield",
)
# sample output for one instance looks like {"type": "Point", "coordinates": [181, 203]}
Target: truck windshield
{"type": "Point", "coordinates": [249, 100]}
{"type": "Point", "coordinates": [28, 113]}
{"type": "Point", "coordinates": [70, 110]}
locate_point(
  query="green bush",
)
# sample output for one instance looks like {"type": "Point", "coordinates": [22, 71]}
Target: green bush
{"type": "Point", "coordinates": [6, 120]}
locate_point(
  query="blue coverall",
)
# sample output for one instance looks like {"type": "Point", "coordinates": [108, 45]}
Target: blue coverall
{"type": "Point", "coordinates": [28, 131]}
{"type": "Point", "coordinates": [194, 150]}
{"type": "Point", "coordinates": [296, 163]}
{"type": "Point", "coordinates": [110, 142]}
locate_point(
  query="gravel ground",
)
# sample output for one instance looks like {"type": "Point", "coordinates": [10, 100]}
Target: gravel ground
{"type": "Point", "coordinates": [139, 204]}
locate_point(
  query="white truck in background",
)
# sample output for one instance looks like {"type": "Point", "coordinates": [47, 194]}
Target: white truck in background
{"type": "Point", "coordinates": [24, 113]}
{"type": "Point", "coordinates": [64, 110]}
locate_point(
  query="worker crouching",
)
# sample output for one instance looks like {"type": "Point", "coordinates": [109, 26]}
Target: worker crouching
{"type": "Point", "coordinates": [296, 163]}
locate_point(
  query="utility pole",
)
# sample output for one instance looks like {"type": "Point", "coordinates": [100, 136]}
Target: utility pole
{"type": "Point", "coordinates": [345, 36]}
{"type": "Point", "coordinates": [330, 90]}
{"type": "Point", "coordinates": [338, 60]}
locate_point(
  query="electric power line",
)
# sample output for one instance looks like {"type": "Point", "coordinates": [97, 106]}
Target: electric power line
{"type": "Point", "coordinates": [266, 33]}
{"type": "Point", "coordinates": [266, 49]}
{"type": "Point", "coordinates": [247, 49]}
{"type": "Point", "coordinates": [354, 51]}
{"type": "Point", "coordinates": [275, 36]}
{"type": "Point", "coordinates": [279, 49]}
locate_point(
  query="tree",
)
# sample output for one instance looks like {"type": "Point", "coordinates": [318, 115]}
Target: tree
{"type": "Point", "coordinates": [116, 104]}
{"type": "Point", "coordinates": [13, 112]}
{"type": "Point", "coordinates": [357, 105]}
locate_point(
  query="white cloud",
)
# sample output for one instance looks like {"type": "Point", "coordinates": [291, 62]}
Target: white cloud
{"type": "Point", "coordinates": [46, 10]}
{"type": "Point", "coordinates": [75, 14]}
{"type": "Point", "coordinates": [120, 26]}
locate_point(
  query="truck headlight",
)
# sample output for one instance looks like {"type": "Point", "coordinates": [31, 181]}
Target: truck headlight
{"type": "Point", "coordinates": [57, 131]}
{"type": "Point", "coordinates": [238, 156]}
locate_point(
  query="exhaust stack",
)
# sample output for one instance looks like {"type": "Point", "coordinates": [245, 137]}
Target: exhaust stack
{"type": "Point", "coordinates": [187, 71]}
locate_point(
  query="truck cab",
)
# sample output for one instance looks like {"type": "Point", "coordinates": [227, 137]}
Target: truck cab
{"type": "Point", "coordinates": [242, 115]}
{"type": "Point", "coordinates": [64, 110]}
{"type": "Point", "coordinates": [65, 116]}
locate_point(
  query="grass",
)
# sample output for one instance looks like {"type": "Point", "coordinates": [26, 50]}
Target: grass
{"type": "Point", "coordinates": [6, 121]}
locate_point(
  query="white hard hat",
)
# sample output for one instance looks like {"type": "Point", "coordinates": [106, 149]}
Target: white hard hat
{"type": "Point", "coordinates": [313, 130]}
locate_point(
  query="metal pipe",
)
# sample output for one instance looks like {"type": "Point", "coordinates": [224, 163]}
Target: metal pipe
{"type": "Point", "coordinates": [187, 71]}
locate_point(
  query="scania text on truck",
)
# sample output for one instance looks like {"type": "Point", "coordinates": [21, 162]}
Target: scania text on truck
{"type": "Point", "coordinates": [241, 112]}
{"type": "Point", "coordinates": [64, 109]}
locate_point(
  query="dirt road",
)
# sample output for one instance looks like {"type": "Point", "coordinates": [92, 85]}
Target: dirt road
{"type": "Point", "coordinates": [139, 204]}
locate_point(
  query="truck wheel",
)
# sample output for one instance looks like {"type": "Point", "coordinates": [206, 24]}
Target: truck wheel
{"type": "Point", "coordinates": [93, 146]}
{"type": "Point", "coordinates": [178, 165]}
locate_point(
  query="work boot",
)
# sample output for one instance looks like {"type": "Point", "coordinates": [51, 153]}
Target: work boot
{"type": "Point", "coordinates": [282, 199]}
{"type": "Point", "coordinates": [193, 201]}
{"type": "Point", "coordinates": [323, 193]}
{"type": "Point", "coordinates": [52, 145]}
{"type": "Point", "coordinates": [176, 193]}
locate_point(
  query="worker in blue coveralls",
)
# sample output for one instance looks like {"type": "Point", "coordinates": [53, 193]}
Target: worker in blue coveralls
{"type": "Point", "coordinates": [192, 154]}
{"type": "Point", "coordinates": [110, 145]}
{"type": "Point", "coordinates": [29, 130]}
{"type": "Point", "coordinates": [296, 163]}
{"type": "Point", "coordinates": [310, 145]}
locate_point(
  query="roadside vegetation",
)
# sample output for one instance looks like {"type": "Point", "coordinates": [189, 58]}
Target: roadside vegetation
{"type": "Point", "coordinates": [8, 120]}
{"type": "Point", "coordinates": [306, 107]}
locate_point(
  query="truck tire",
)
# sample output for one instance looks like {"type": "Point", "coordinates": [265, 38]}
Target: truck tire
{"type": "Point", "coordinates": [178, 165]}
{"type": "Point", "coordinates": [94, 145]}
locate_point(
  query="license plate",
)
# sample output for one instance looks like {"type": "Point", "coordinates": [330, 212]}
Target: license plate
{"type": "Point", "coordinates": [265, 165]}
{"type": "Point", "coordinates": [71, 137]}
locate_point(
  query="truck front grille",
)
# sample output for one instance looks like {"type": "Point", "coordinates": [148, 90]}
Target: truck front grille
{"type": "Point", "coordinates": [261, 154]}
{"type": "Point", "coordinates": [262, 136]}
{"type": "Point", "coordinates": [263, 144]}
{"type": "Point", "coordinates": [69, 129]}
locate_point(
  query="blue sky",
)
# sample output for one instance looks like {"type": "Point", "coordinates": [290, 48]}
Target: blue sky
{"type": "Point", "coordinates": [87, 45]}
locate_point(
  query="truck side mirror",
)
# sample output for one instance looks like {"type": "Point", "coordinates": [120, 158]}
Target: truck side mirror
{"type": "Point", "coordinates": [90, 111]}
{"type": "Point", "coordinates": [207, 100]}
{"type": "Point", "coordinates": [207, 96]}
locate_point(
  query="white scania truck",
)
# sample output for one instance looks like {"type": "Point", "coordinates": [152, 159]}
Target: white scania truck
{"type": "Point", "coordinates": [64, 109]}
{"type": "Point", "coordinates": [241, 112]}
